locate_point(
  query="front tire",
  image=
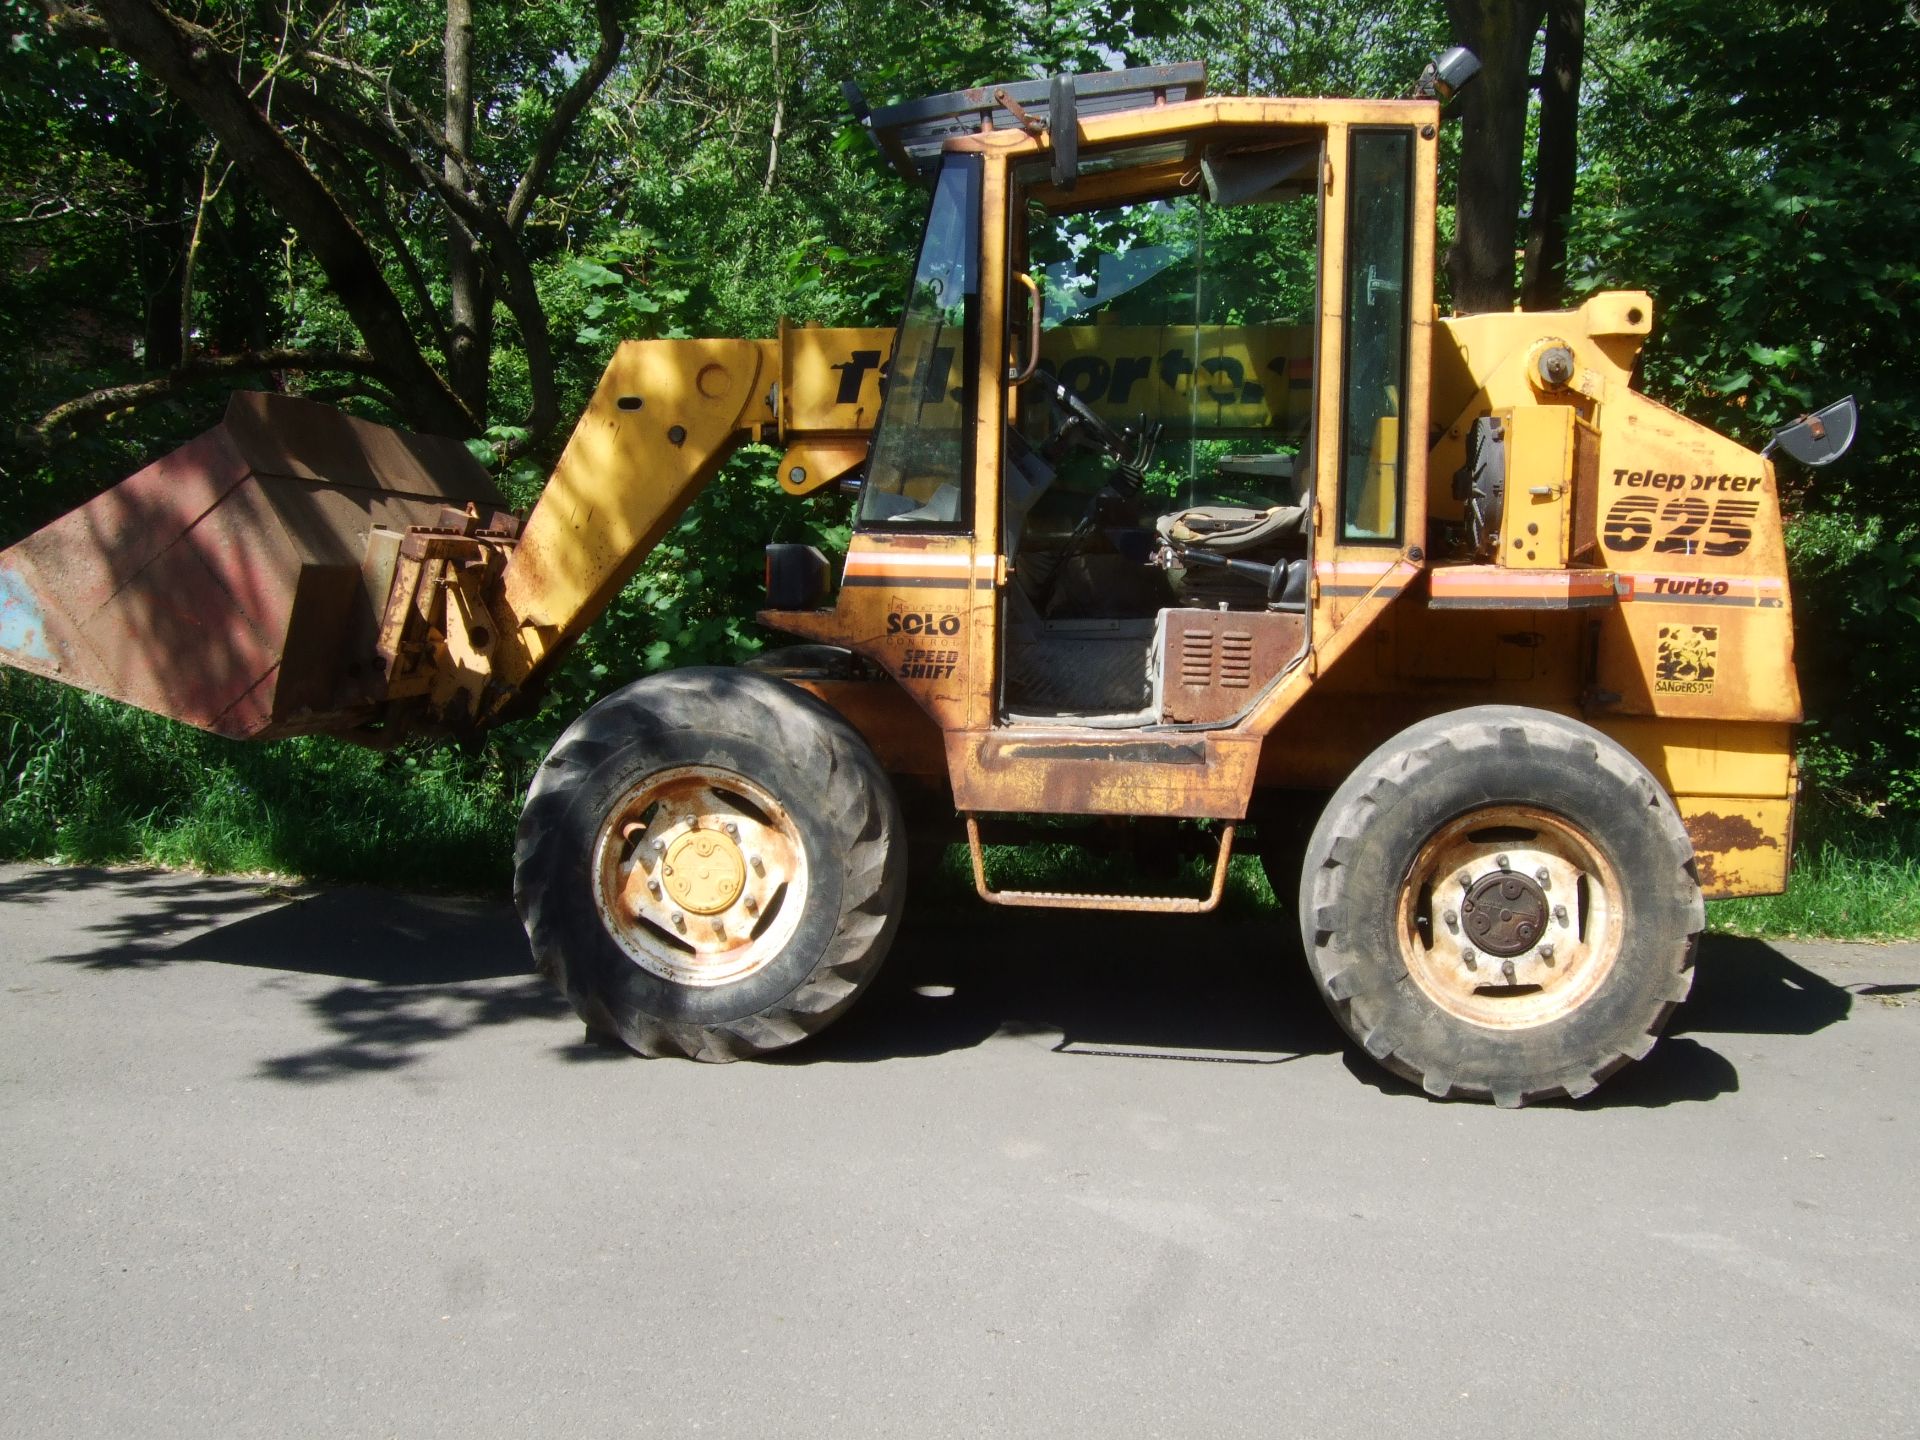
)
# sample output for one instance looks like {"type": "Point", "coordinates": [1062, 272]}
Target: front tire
{"type": "Point", "coordinates": [710, 864]}
{"type": "Point", "coordinates": [1500, 904]}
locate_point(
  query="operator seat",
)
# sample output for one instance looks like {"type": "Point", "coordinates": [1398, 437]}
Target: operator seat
{"type": "Point", "coordinates": [1274, 535]}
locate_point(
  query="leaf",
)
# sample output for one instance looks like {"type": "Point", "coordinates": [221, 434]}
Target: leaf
{"type": "Point", "coordinates": [592, 273]}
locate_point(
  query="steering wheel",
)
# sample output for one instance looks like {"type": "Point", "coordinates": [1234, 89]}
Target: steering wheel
{"type": "Point", "coordinates": [1078, 416]}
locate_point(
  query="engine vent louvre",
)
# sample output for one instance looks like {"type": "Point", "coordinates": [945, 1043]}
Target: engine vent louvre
{"type": "Point", "coordinates": [1236, 660]}
{"type": "Point", "coordinates": [1196, 659]}
{"type": "Point", "coordinates": [1215, 661]}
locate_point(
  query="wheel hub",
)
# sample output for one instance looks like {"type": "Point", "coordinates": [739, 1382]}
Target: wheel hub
{"type": "Point", "coordinates": [703, 871]}
{"type": "Point", "coordinates": [1509, 917]}
{"type": "Point", "coordinates": [702, 875]}
{"type": "Point", "coordinates": [1504, 913]}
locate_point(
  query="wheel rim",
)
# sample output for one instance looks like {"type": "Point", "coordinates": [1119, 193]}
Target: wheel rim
{"type": "Point", "coordinates": [700, 875]}
{"type": "Point", "coordinates": [1510, 918]}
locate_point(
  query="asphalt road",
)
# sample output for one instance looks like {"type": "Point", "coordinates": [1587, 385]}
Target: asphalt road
{"type": "Point", "coordinates": [336, 1165]}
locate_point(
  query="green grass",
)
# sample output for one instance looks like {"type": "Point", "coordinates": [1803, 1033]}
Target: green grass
{"type": "Point", "coordinates": [88, 781]}
{"type": "Point", "coordinates": [1854, 878]}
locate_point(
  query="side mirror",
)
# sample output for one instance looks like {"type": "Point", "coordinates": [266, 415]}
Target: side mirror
{"type": "Point", "coordinates": [1820, 438]}
{"type": "Point", "coordinates": [1446, 73]}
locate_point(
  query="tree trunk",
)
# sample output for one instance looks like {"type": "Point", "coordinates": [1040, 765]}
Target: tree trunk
{"type": "Point", "coordinates": [470, 302]}
{"type": "Point", "coordinates": [200, 76]}
{"type": "Point", "coordinates": [1557, 159]}
{"type": "Point", "coordinates": [1492, 143]}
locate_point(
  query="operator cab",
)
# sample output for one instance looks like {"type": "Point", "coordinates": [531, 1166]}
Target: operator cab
{"type": "Point", "coordinates": [1156, 302]}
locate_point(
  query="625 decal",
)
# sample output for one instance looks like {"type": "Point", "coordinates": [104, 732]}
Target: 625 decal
{"type": "Point", "coordinates": [1692, 525]}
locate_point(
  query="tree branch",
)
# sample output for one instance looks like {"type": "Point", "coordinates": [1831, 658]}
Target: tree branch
{"type": "Point", "coordinates": [613, 39]}
{"type": "Point", "coordinates": [435, 137]}
{"type": "Point", "coordinates": [75, 23]}
{"type": "Point", "coordinates": [499, 246]}
{"type": "Point", "coordinates": [101, 404]}
{"type": "Point", "coordinates": [352, 178]}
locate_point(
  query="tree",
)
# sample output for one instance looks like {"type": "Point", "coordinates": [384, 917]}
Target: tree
{"type": "Point", "coordinates": [1495, 107]}
{"type": "Point", "coordinates": [1556, 156]}
{"type": "Point", "coordinates": [323, 117]}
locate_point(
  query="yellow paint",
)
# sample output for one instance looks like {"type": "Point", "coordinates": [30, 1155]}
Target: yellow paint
{"type": "Point", "coordinates": [703, 872]}
{"type": "Point", "coordinates": [1533, 527]}
{"type": "Point", "coordinates": [1709, 758]}
{"type": "Point", "coordinates": [662, 421]}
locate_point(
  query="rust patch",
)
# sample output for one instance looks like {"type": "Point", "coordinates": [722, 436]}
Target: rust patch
{"type": "Point", "coordinates": [1705, 870]}
{"type": "Point", "coordinates": [1711, 832]}
{"type": "Point", "coordinates": [1135, 752]}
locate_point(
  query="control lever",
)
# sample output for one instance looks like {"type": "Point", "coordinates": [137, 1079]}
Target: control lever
{"type": "Point", "coordinates": [1285, 581]}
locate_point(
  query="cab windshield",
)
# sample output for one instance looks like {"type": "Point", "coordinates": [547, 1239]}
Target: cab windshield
{"type": "Point", "coordinates": [917, 475]}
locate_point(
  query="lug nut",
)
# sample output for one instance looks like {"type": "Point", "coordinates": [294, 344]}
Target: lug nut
{"type": "Point", "coordinates": [1464, 878]}
{"type": "Point", "coordinates": [1507, 970]}
{"type": "Point", "coordinates": [1560, 914]}
{"type": "Point", "coordinates": [733, 830]}
{"type": "Point", "coordinates": [1542, 876]}
{"type": "Point", "coordinates": [1501, 861]}
{"type": "Point", "coordinates": [1466, 958]}
{"type": "Point", "coordinates": [653, 888]}
{"type": "Point", "coordinates": [758, 868]}
{"type": "Point", "coordinates": [679, 921]}
{"type": "Point", "coordinates": [753, 906]}
{"type": "Point", "coordinates": [1453, 920]}
{"type": "Point", "coordinates": [1546, 953]}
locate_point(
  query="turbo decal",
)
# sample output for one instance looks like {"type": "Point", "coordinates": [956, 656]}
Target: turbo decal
{"type": "Point", "coordinates": [1756, 592]}
{"type": "Point", "coordinates": [1698, 585]}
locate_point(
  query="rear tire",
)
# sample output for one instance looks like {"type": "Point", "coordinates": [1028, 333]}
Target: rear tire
{"type": "Point", "coordinates": [709, 864]}
{"type": "Point", "coordinates": [1500, 904]}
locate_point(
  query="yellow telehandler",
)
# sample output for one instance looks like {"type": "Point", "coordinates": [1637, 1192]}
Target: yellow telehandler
{"type": "Point", "coordinates": [1175, 500]}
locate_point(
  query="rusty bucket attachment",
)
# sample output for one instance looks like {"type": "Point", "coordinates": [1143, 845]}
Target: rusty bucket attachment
{"type": "Point", "coordinates": [231, 584]}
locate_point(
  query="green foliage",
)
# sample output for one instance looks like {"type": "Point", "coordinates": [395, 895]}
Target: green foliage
{"type": "Point", "coordinates": [1857, 588]}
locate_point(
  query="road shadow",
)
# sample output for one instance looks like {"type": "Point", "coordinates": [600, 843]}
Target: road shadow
{"type": "Point", "coordinates": [418, 971]}
{"type": "Point", "coordinates": [415, 971]}
{"type": "Point", "coordinates": [144, 914]}
{"type": "Point", "coordinates": [1096, 986]}
{"type": "Point", "coordinates": [1747, 987]}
